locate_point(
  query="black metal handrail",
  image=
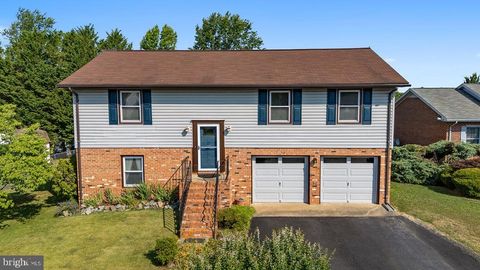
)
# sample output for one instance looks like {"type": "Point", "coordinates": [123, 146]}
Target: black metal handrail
{"type": "Point", "coordinates": [219, 166]}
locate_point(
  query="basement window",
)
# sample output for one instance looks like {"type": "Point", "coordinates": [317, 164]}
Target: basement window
{"type": "Point", "coordinates": [133, 171]}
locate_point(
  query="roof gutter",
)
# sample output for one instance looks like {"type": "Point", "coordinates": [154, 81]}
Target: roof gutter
{"type": "Point", "coordinates": [77, 147]}
{"type": "Point", "coordinates": [386, 203]}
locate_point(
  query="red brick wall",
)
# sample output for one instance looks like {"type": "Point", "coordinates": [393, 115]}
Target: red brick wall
{"type": "Point", "coordinates": [102, 168]}
{"type": "Point", "coordinates": [416, 123]}
{"type": "Point", "coordinates": [457, 130]}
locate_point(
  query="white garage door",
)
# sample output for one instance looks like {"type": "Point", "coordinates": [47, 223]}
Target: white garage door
{"type": "Point", "coordinates": [349, 179]}
{"type": "Point", "coordinates": [279, 179]}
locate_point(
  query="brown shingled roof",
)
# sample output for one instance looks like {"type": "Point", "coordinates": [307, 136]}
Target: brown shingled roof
{"type": "Point", "coordinates": [260, 68]}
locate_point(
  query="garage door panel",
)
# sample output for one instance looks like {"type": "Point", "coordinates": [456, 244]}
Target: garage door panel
{"type": "Point", "coordinates": [279, 182]}
{"type": "Point", "coordinates": [353, 181]}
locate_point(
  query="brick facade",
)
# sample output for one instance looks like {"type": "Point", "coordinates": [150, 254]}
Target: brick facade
{"type": "Point", "coordinates": [417, 123]}
{"type": "Point", "coordinates": [102, 168]}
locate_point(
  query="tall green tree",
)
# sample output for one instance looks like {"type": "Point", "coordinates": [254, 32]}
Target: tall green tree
{"type": "Point", "coordinates": [151, 40]}
{"type": "Point", "coordinates": [115, 40]}
{"type": "Point", "coordinates": [474, 78]}
{"type": "Point", "coordinates": [79, 46]}
{"type": "Point", "coordinates": [31, 69]}
{"type": "Point", "coordinates": [226, 32]}
{"type": "Point", "coordinates": [168, 38]}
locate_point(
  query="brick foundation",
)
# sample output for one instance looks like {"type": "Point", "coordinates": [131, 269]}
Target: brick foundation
{"type": "Point", "coordinates": [102, 168]}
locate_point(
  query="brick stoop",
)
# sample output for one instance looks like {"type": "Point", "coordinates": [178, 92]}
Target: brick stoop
{"type": "Point", "coordinates": [197, 221]}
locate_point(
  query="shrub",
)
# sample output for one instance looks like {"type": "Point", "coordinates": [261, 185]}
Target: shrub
{"type": "Point", "coordinates": [464, 151]}
{"type": "Point", "coordinates": [165, 250]}
{"type": "Point", "coordinates": [142, 192]}
{"type": "Point", "coordinates": [439, 150]}
{"type": "Point", "coordinates": [237, 217]}
{"type": "Point", "coordinates": [286, 249]}
{"type": "Point", "coordinates": [415, 148]}
{"type": "Point", "coordinates": [445, 176]}
{"type": "Point", "coordinates": [94, 201]}
{"type": "Point", "coordinates": [63, 184]}
{"type": "Point", "coordinates": [409, 151]}
{"type": "Point", "coordinates": [409, 167]}
{"type": "Point", "coordinates": [467, 181]}
{"type": "Point", "coordinates": [71, 206]}
{"type": "Point", "coordinates": [110, 197]}
{"type": "Point", "coordinates": [128, 198]}
{"type": "Point", "coordinates": [158, 193]}
{"type": "Point", "coordinates": [466, 163]}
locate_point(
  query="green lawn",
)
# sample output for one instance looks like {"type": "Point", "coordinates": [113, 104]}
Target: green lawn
{"type": "Point", "coordinates": [458, 217]}
{"type": "Point", "coordinates": [116, 240]}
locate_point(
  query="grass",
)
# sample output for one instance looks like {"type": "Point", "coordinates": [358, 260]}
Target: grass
{"type": "Point", "coordinates": [456, 216]}
{"type": "Point", "coordinates": [116, 240]}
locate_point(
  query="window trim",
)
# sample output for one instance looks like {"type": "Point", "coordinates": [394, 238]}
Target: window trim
{"type": "Point", "coordinates": [289, 106]}
{"type": "Point", "coordinates": [466, 134]}
{"type": "Point", "coordinates": [140, 107]}
{"type": "Point", "coordinates": [359, 106]}
{"type": "Point", "coordinates": [124, 178]}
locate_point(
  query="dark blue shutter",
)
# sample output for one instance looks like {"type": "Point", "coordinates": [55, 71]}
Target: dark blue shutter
{"type": "Point", "coordinates": [331, 106]}
{"type": "Point", "coordinates": [112, 107]}
{"type": "Point", "coordinates": [262, 106]}
{"type": "Point", "coordinates": [367, 107]}
{"type": "Point", "coordinates": [297, 106]}
{"type": "Point", "coordinates": [147, 107]}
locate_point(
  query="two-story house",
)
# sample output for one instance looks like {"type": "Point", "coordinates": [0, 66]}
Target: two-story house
{"type": "Point", "coordinates": [307, 126]}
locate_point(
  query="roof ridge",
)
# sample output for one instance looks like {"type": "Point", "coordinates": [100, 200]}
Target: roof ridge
{"type": "Point", "coordinates": [262, 50]}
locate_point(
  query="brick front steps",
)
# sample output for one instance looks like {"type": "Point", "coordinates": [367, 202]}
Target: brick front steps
{"type": "Point", "coordinates": [197, 221]}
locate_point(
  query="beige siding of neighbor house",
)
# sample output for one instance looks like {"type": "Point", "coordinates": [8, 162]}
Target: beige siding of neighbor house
{"type": "Point", "coordinates": [172, 111]}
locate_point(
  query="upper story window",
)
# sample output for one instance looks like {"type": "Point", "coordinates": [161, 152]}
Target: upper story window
{"type": "Point", "coordinates": [279, 106]}
{"type": "Point", "coordinates": [473, 135]}
{"type": "Point", "coordinates": [132, 171]}
{"type": "Point", "coordinates": [349, 106]}
{"type": "Point", "coordinates": [130, 107]}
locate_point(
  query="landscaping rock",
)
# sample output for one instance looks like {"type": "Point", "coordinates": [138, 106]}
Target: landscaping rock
{"type": "Point", "coordinates": [140, 206]}
{"type": "Point", "coordinates": [66, 213]}
{"type": "Point", "coordinates": [88, 210]}
{"type": "Point", "coordinates": [113, 208]}
{"type": "Point", "coordinates": [160, 204]}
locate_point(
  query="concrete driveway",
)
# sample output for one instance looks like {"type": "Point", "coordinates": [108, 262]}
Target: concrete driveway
{"type": "Point", "coordinates": [390, 242]}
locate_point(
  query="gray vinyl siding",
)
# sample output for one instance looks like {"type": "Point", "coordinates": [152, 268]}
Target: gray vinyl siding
{"type": "Point", "coordinates": [172, 111]}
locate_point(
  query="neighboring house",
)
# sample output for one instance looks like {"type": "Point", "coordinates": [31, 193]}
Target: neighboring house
{"type": "Point", "coordinates": [306, 126]}
{"type": "Point", "coordinates": [427, 115]}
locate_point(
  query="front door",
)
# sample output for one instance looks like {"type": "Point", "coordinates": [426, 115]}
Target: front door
{"type": "Point", "coordinates": [208, 146]}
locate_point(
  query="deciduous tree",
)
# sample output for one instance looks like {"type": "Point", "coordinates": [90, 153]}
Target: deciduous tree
{"type": "Point", "coordinates": [226, 32]}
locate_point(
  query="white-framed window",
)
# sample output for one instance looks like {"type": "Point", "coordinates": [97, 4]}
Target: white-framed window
{"type": "Point", "coordinates": [349, 106]}
{"type": "Point", "coordinates": [279, 106]}
{"type": "Point", "coordinates": [473, 135]}
{"type": "Point", "coordinates": [130, 106]}
{"type": "Point", "coordinates": [132, 171]}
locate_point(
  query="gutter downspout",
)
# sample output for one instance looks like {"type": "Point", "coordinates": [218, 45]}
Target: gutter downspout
{"type": "Point", "coordinates": [450, 131]}
{"type": "Point", "coordinates": [77, 148]}
{"type": "Point", "coordinates": [386, 203]}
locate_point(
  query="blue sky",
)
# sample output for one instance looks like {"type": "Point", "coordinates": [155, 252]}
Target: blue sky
{"type": "Point", "coordinates": [431, 43]}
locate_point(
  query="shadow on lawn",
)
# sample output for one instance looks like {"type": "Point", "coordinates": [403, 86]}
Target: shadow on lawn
{"type": "Point", "coordinates": [445, 191]}
{"type": "Point", "coordinates": [26, 207]}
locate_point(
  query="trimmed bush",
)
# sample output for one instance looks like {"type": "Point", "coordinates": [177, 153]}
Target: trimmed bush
{"type": "Point", "coordinates": [285, 249]}
{"type": "Point", "coordinates": [236, 217]}
{"type": "Point", "coordinates": [445, 177]}
{"type": "Point", "coordinates": [165, 250]}
{"type": "Point", "coordinates": [409, 167]}
{"type": "Point", "coordinates": [63, 184]}
{"type": "Point", "coordinates": [473, 162]}
{"type": "Point", "coordinates": [467, 181]}
{"type": "Point", "coordinates": [465, 151]}
{"type": "Point", "coordinates": [439, 150]}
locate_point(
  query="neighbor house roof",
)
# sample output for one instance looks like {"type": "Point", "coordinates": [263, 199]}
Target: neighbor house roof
{"type": "Point", "coordinates": [452, 104]}
{"type": "Point", "coordinates": [40, 132]}
{"type": "Point", "coordinates": [258, 68]}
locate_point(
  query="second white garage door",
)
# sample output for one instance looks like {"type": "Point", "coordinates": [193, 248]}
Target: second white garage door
{"type": "Point", "coordinates": [349, 179]}
{"type": "Point", "coordinates": [279, 179]}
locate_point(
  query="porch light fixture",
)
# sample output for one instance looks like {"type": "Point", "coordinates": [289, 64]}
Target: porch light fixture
{"type": "Point", "coordinates": [228, 128]}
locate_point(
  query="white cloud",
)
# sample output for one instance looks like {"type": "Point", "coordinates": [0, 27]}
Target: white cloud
{"type": "Point", "coordinates": [390, 60]}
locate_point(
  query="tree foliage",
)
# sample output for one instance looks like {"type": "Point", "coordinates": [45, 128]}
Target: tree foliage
{"type": "Point", "coordinates": [151, 40]}
{"type": "Point", "coordinates": [168, 38]}
{"type": "Point", "coordinates": [79, 46]}
{"type": "Point", "coordinates": [116, 41]}
{"type": "Point", "coordinates": [226, 32]}
{"type": "Point", "coordinates": [474, 78]}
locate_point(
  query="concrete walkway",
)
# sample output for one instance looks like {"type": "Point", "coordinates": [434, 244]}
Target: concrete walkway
{"type": "Point", "coordinates": [319, 210]}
